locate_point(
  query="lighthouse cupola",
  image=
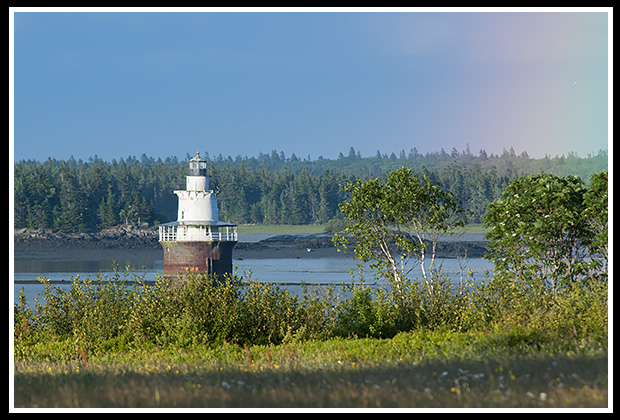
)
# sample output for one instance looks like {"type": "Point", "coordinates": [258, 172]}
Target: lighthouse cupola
{"type": "Point", "coordinates": [197, 166]}
{"type": "Point", "coordinates": [197, 179]}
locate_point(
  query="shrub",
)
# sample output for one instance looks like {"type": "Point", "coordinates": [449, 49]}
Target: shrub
{"type": "Point", "coordinates": [267, 313]}
{"type": "Point", "coordinates": [363, 315]}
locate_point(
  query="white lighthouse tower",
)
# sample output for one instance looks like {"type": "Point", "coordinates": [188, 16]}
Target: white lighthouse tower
{"type": "Point", "coordinates": [197, 241]}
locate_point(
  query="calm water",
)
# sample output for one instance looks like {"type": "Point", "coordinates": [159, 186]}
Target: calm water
{"type": "Point", "coordinates": [281, 270]}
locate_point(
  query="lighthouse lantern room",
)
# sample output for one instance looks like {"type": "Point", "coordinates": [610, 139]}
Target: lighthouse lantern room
{"type": "Point", "coordinates": [197, 241]}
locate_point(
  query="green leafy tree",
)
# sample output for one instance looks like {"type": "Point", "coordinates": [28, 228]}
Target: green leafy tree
{"type": "Point", "coordinates": [397, 223]}
{"type": "Point", "coordinates": [596, 214]}
{"type": "Point", "coordinates": [537, 231]}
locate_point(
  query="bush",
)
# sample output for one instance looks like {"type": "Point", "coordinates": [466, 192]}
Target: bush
{"type": "Point", "coordinates": [194, 310]}
{"type": "Point", "coordinates": [267, 314]}
{"type": "Point", "coordinates": [368, 313]}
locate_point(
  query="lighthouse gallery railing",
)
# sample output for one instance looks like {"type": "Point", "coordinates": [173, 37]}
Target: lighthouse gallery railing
{"type": "Point", "coordinates": [180, 233]}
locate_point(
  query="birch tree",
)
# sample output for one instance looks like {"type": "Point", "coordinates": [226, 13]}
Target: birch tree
{"type": "Point", "coordinates": [397, 223]}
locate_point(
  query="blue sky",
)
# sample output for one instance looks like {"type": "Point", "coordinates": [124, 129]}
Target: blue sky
{"type": "Point", "coordinates": [314, 84]}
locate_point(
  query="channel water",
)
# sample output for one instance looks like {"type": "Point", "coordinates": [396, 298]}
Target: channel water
{"type": "Point", "coordinates": [289, 272]}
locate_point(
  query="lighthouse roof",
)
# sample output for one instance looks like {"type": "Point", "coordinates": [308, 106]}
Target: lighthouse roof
{"type": "Point", "coordinates": [197, 158]}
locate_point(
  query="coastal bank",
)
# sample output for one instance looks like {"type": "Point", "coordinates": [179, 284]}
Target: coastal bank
{"type": "Point", "coordinates": [110, 244]}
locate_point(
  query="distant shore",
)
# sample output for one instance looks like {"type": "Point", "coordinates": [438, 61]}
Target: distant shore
{"type": "Point", "coordinates": [126, 242]}
{"type": "Point", "coordinates": [243, 250]}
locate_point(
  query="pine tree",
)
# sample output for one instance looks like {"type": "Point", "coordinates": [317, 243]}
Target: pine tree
{"type": "Point", "coordinates": [71, 207]}
{"type": "Point", "coordinates": [108, 211]}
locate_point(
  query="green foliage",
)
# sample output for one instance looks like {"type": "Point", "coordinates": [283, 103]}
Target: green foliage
{"type": "Point", "coordinates": [367, 313]}
{"type": "Point", "coordinates": [108, 314]}
{"type": "Point", "coordinates": [76, 196]}
{"type": "Point", "coordinates": [268, 313]}
{"type": "Point", "coordinates": [540, 230]}
{"type": "Point", "coordinates": [196, 311]}
{"type": "Point", "coordinates": [70, 196]}
{"type": "Point", "coordinates": [596, 214]}
{"type": "Point", "coordinates": [398, 221]}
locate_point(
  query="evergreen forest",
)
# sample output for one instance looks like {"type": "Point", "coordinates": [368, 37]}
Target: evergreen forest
{"type": "Point", "coordinates": [81, 196]}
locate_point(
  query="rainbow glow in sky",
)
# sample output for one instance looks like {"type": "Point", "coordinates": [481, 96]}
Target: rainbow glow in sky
{"type": "Point", "coordinates": [313, 84]}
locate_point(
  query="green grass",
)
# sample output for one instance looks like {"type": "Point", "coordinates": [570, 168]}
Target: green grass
{"type": "Point", "coordinates": [473, 228]}
{"type": "Point", "coordinates": [281, 229]}
{"type": "Point", "coordinates": [411, 370]}
{"type": "Point", "coordinates": [293, 229]}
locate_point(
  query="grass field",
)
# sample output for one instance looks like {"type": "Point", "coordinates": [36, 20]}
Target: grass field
{"type": "Point", "coordinates": [280, 229]}
{"type": "Point", "coordinates": [411, 370]}
{"type": "Point", "coordinates": [294, 229]}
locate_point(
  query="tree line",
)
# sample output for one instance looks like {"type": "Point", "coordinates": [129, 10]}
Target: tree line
{"type": "Point", "coordinates": [77, 196]}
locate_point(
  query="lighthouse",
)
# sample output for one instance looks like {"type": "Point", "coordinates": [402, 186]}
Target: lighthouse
{"type": "Point", "coordinates": [197, 241]}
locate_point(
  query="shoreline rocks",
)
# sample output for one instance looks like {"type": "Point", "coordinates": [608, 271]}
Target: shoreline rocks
{"type": "Point", "coordinates": [118, 237]}
{"type": "Point", "coordinates": [34, 243]}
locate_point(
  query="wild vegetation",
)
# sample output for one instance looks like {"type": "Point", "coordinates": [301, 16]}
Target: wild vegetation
{"type": "Point", "coordinates": [520, 338]}
{"type": "Point", "coordinates": [248, 344]}
{"type": "Point", "coordinates": [421, 369]}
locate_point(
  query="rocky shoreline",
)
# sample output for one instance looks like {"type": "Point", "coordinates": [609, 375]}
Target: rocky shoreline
{"type": "Point", "coordinates": [118, 237]}
{"type": "Point", "coordinates": [124, 240]}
